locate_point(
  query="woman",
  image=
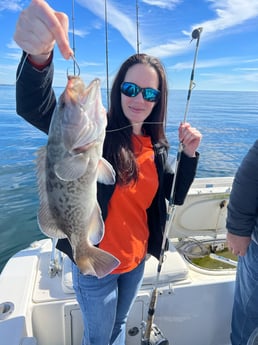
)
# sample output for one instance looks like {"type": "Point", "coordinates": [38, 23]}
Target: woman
{"type": "Point", "coordinates": [134, 209]}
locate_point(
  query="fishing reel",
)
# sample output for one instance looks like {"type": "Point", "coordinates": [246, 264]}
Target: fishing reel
{"type": "Point", "coordinates": [156, 337]}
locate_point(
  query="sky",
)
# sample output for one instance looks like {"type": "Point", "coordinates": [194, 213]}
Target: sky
{"type": "Point", "coordinates": [227, 55]}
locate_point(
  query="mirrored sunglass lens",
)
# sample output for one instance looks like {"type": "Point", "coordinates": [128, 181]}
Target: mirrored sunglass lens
{"type": "Point", "coordinates": [151, 95]}
{"type": "Point", "coordinates": [130, 89]}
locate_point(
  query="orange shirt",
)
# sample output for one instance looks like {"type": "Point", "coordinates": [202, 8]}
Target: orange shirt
{"type": "Point", "coordinates": [126, 228]}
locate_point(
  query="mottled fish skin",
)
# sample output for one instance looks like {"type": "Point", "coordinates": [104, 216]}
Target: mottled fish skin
{"type": "Point", "coordinates": [68, 169]}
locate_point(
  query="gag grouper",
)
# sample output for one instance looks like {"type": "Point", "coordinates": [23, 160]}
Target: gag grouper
{"type": "Point", "coordinates": [68, 169]}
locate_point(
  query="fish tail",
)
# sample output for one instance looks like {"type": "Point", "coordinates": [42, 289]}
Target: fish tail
{"type": "Point", "coordinates": [97, 262]}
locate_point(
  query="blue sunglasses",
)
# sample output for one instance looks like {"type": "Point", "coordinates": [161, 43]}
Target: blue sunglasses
{"type": "Point", "coordinates": [132, 90]}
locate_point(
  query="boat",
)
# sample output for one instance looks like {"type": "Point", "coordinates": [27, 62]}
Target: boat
{"type": "Point", "coordinates": [194, 301]}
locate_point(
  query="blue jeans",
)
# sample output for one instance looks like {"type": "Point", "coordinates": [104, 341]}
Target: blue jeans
{"type": "Point", "coordinates": [245, 308]}
{"type": "Point", "coordinates": [105, 304]}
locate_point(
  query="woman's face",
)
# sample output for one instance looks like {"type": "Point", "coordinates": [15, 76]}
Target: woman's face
{"type": "Point", "coordinates": [137, 109]}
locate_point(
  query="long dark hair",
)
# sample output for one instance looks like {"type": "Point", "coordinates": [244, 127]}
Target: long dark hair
{"type": "Point", "coordinates": [118, 148]}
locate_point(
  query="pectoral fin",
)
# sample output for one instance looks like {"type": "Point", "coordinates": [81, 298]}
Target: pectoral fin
{"type": "Point", "coordinates": [106, 173]}
{"type": "Point", "coordinates": [95, 227]}
{"type": "Point", "coordinates": [71, 168]}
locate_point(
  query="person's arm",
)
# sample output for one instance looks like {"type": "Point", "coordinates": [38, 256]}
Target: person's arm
{"type": "Point", "coordinates": [35, 98]}
{"type": "Point", "coordinates": [243, 202]}
{"type": "Point", "coordinates": [186, 172]}
{"type": "Point", "coordinates": [38, 29]}
{"type": "Point", "coordinates": [190, 139]}
{"type": "Point", "coordinates": [185, 176]}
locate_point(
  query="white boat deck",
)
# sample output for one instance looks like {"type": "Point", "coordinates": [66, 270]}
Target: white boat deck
{"type": "Point", "coordinates": [194, 304]}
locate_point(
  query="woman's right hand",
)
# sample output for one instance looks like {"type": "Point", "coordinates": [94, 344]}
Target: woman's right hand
{"type": "Point", "coordinates": [38, 28]}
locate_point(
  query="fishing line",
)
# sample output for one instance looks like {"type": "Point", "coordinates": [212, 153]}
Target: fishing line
{"type": "Point", "coordinates": [132, 124]}
{"type": "Point", "coordinates": [73, 56]}
{"type": "Point", "coordinates": [146, 340]}
{"type": "Point", "coordinates": [75, 63]}
{"type": "Point", "coordinates": [22, 65]}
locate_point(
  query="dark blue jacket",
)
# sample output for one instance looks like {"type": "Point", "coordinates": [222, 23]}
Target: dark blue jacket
{"type": "Point", "coordinates": [242, 217]}
{"type": "Point", "coordinates": [35, 102]}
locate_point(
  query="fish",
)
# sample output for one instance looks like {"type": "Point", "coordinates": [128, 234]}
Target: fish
{"type": "Point", "coordinates": [68, 169]}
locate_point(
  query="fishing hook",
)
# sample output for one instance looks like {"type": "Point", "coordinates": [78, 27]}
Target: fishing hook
{"type": "Point", "coordinates": [75, 65]}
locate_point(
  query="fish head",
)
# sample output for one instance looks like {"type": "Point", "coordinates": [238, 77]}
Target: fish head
{"type": "Point", "coordinates": [83, 117]}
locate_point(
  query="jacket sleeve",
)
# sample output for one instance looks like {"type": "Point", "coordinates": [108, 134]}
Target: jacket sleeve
{"type": "Point", "coordinates": [35, 98]}
{"type": "Point", "coordinates": [185, 175]}
{"type": "Point", "coordinates": [243, 203]}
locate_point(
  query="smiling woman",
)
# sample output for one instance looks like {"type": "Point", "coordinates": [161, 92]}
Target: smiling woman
{"type": "Point", "coordinates": [136, 107]}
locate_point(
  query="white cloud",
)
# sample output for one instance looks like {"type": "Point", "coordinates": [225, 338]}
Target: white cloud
{"type": "Point", "coordinates": [229, 14]}
{"type": "Point", "coordinates": [13, 45]}
{"type": "Point", "coordinates": [119, 20]}
{"type": "Point", "coordinates": [11, 5]}
{"type": "Point", "coordinates": [14, 56]}
{"type": "Point", "coordinates": [168, 4]}
{"type": "Point", "coordinates": [79, 33]}
{"type": "Point", "coordinates": [220, 62]}
{"type": "Point", "coordinates": [229, 79]}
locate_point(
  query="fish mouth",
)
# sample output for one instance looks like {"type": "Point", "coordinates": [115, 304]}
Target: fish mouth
{"type": "Point", "coordinates": [76, 92]}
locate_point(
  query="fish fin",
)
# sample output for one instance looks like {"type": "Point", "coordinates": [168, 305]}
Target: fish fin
{"type": "Point", "coordinates": [106, 173]}
{"type": "Point", "coordinates": [97, 262]}
{"type": "Point", "coordinates": [46, 222]}
{"type": "Point", "coordinates": [71, 168]}
{"type": "Point", "coordinates": [95, 227]}
{"type": "Point", "coordinates": [41, 156]}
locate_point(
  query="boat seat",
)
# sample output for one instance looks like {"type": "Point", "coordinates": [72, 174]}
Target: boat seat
{"type": "Point", "coordinates": [174, 269]}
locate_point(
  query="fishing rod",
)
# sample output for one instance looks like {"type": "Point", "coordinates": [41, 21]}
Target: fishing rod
{"type": "Point", "coordinates": [152, 335]}
{"type": "Point", "coordinates": [137, 27]}
{"type": "Point", "coordinates": [75, 63]}
{"type": "Point", "coordinates": [106, 33]}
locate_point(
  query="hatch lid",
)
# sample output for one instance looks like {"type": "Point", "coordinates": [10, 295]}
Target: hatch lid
{"type": "Point", "coordinates": [204, 211]}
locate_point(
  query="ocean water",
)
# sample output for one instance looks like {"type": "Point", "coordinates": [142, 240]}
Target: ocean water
{"type": "Point", "coordinates": [227, 120]}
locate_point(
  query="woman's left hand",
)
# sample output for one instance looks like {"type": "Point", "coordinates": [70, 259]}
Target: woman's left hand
{"type": "Point", "coordinates": [190, 138]}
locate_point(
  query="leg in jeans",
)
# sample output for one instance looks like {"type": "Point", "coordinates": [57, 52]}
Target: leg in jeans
{"type": "Point", "coordinates": [105, 304]}
{"type": "Point", "coordinates": [245, 308]}
{"type": "Point", "coordinates": [128, 286]}
{"type": "Point", "coordinates": [97, 299]}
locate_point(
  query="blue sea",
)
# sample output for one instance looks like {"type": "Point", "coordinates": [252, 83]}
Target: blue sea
{"type": "Point", "coordinates": [227, 120]}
